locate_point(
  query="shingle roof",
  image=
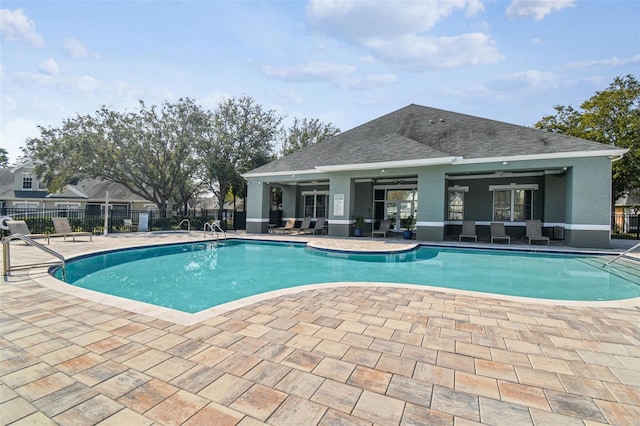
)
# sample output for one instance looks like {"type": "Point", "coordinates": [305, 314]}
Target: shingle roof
{"type": "Point", "coordinates": [418, 132]}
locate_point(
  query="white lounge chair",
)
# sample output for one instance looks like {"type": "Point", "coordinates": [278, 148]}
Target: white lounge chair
{"type": "Point", "coordinates": [63, 229]}
{"type": "Point", "coordinates": [288, 227]}
{"type": "Point", "coordinates": [20, 227]}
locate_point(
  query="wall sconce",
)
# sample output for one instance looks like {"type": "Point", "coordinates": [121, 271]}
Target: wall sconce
{"type": "Point", "coordinates": [383, 171]}
{"type": "Point", "coordinates": [504, 163]}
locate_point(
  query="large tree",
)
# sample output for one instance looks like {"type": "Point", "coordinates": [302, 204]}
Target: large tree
{"type": "Point", "coordinates": [306, 132]}
{"type": "Point", "coordinates": [240, 138]}
{"type": "Point", "coordinates": [149, 152]}
{"type": "Point", "coordinates": [612, 117]}
{"type": "Point", "coordinates": [4, 157]}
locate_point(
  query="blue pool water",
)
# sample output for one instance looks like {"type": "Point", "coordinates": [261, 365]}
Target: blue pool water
{"type": "Point", "coordinates": [194, 277]}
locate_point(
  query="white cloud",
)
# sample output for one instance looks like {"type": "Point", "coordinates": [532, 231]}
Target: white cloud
{"type": "Point", "coordinates": [436, 52]}
{"type": "Point", "coordinates": [367, 82]}
{"type": "Point", "coordinates": [395, 31]}
{"type": "Point", "coordinates": [536, 40]}
{"type": "Point", "coordinates": [15, 26]}
{"type": "Point", "coordinates": [7, 103]}
{"type": "Point", "coordinates": [72, 84]}
{"type": "Point", "coordinates": [538, 9]}
{"type": "Point", "coordinates": [312, 71]}
{"type": "Point", "coordinates": [77, 49]}
{"type": "Point", "coordinates": [531, 79]}
{"type": "Point", "coordinates": [15, 132]}
{"type": "Point", "coordinates": [611, 62]}
{"type": "Point", "coordinates": [49, 67]}
{"type": "Point", "coordinates": [357, 20]}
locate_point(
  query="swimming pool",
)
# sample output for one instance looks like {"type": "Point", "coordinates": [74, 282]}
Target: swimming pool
{"type": "Point", "coordinates": [196, 276]}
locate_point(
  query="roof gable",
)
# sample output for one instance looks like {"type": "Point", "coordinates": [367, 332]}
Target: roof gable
{"type": "Point", "coordinates": [418, 132]}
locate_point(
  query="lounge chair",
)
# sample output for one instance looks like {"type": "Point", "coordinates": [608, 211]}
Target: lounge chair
{"type": "Point", "coordinates": [534, 232]}
{"type": "Point", "coordinates": [63, 229]}
{"type": "Point", "coordinates": [305, 226]}
{"type": "Point", "coordinates": [319, 226]}
{"type": "Point", "coordinates": [20, 227]}
{"type": "Point", "coordinates": [498, 232]}
{"type": "Point", "coordinates": [288, 227]}
{"type": "Point", "coordinates": [128, 223]}
{"type": "Point", "coordinates": [468, 230]}
{"type": "Point", "coordinates": [385, 226]}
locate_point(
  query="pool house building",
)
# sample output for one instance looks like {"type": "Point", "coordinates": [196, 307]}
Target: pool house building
{"type": "Point", "coordinates": [441, 168]}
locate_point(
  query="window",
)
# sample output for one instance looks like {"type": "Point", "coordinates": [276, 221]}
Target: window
{"type": "Point", "coordinates": [456, 202]}
{"type": "Point", "coordinates": [27, 181]}
{"type": "Point", "coordinates": [513, 204]}
{"type": "Point", "coordinates": [315, 205]}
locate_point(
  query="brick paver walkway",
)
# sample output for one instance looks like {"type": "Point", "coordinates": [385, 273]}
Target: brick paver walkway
{"type": "Point", "coordinates": [336, 356]}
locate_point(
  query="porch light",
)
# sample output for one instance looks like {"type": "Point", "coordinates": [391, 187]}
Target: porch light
{"type": "Point", "coordinates": [383, 171]}
{"type": "Point", "coordinates": [504, 163]}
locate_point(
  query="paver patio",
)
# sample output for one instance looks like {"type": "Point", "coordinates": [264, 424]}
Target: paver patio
{"type": "Point", "coordinates": [348, 355]}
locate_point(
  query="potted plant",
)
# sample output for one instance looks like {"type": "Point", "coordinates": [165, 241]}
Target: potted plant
{"type": "Point", "coordinates": [407, 224]}
{"type": "Point", "coordinates": [358, 225]}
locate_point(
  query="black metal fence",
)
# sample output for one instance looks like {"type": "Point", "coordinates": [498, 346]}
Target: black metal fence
{"type": "Point", "coordinates": [625, 226]}
{"type": "Point", "coordinates": [39, 220]}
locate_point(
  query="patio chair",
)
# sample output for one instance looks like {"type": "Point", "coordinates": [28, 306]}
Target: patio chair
{"type": "Point", "coordinates": [20, 227]}
{"type": "Point", "coordinates": [128, 223]}
{"type": "Point", "coordinates": [498, 232]}
{"type": "Point", "coordinates": [468, 230]}
{"type": "Point", "coordinates": [385, 226]}
{"type": "Point", "coordinates": [319, 226]}
{"type": "Point", "coordinates": [305, 226]}
{"type": "Point", "coordinates": [63, 229]}
{"type": "Point", "coordinates": [534, 232]}
{"type": "Point", "coordinates": [288, 227]}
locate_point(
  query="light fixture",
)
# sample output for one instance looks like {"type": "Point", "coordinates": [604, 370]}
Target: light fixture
{"type": "Point", "coordinates": [383, 171]}
{"type": "Point", "coordinates": [504, 163]}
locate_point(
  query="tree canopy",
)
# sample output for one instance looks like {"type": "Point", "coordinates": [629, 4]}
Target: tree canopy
{"type": "Point", "coordinates": [148, 152]}
{"type": "Point", "coordinates": [612, 117]}
{"type": "Point", "coordinates": [240, 137]}
{"type": "Point", "coordinates": [306, 132]}
{"type": "Point", "coordinates": [168, 152]}
{"type": "Point", "coordinates": [4, 157]}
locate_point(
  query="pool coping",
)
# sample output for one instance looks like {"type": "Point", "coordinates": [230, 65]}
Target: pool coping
{"type": "Point", "coordinates": [186, 319]}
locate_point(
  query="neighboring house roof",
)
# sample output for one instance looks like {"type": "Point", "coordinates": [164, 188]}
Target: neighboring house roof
{"type": "Point", "coordinates": [85, 189]}
{"type": "Point", "coordinates": [417, 135]}
{"type": "Point", "coordinates": [632, 199]}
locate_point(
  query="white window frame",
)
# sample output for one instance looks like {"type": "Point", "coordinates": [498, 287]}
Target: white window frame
{"type": "Point", "coordinates": [26, 204]}
{"type": "Point", "coordinates": [32, 180]}
{"type": "Point", "coordinates": [511, 187]}
{"type": "Point", "coordinates": [315, 194]}
{"type": "Point", "coordinates": [456, 188]}
{"type": "Point", "coordinates": [68, 206]}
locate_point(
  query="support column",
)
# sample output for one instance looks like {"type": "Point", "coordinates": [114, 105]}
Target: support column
{"type": "Point", "coordinates": [258, 204]}
{"type": "Point", "coordinates": [341, 204]}
{"type": "Point", "coordinates": [588, 203]}
{"type": "Point", "coordinates": [289, 201]}
{"type": "Point", "coordinates": [431, 204]}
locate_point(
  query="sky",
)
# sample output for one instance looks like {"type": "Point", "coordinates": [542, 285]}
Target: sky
{"type": "Point", "coordinates": [344, 62]}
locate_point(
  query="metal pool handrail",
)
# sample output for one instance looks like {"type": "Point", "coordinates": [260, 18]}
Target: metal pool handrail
{"type": "Point", "coordinates": [214, 228]}
{"type": "Point", "coordinates": [622, 254]}
{"type": "Point", "coordinates": [6, 258]}
{"type": "Point", "coordinates": [188, 224]}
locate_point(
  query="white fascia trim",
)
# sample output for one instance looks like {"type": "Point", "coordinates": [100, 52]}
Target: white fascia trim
{"type": "Point", "coordinates": [341, 221]}
{"type": "Point", "coordinates": [584, 227]}
{"type": "Point", "coordinates": [257, 220]}
{"type": "Point", "coordinates": [435, 224]}
{"type": "Point", "coordinates": [550, 156]}
{"type": "Point", "coordinates": [270, 174]}
{"type": "Point", "coordinates": [389, 164]}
